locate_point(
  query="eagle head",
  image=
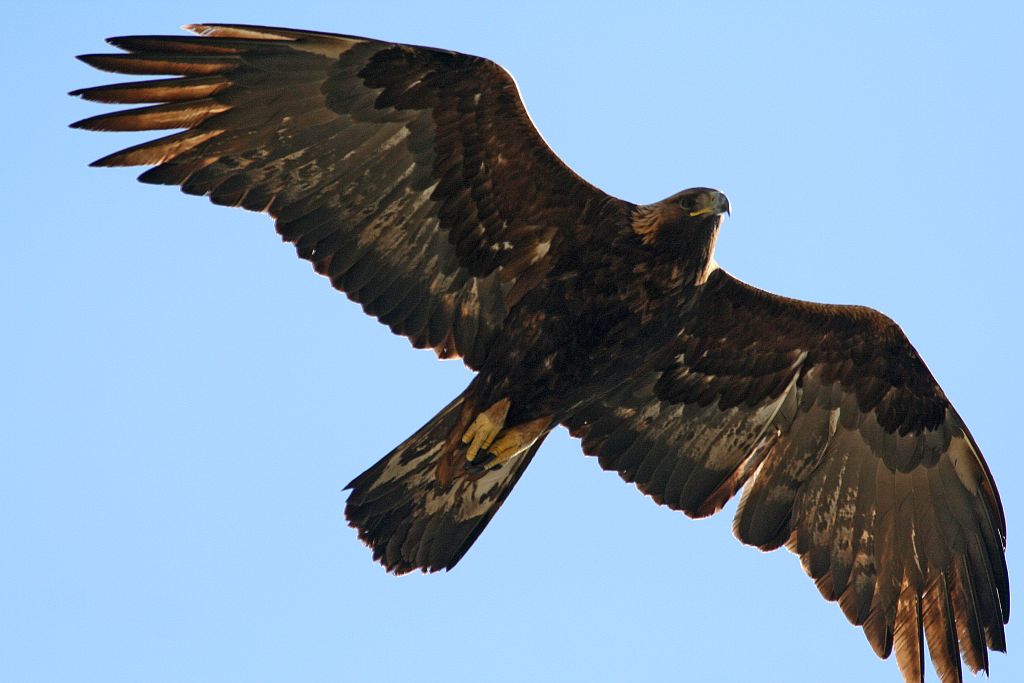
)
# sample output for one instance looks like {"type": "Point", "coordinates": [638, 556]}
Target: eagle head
{"type": "Point", "coordinates": [686, 218]}
{"type": "Point", "coordinates": [700, 202]}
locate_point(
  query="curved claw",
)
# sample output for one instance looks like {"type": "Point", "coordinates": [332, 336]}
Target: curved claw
{"type": "Point", "coordinates": [485, 428]}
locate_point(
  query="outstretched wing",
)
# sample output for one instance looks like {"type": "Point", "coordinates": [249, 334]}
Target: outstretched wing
{"type": "Point", "coordinates": [851, 455]}
{"type": "Point", "coordinates": [413, 178]}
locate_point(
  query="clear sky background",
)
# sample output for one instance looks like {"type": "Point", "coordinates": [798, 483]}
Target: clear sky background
{"type": "Point", "coordinates": [183, 399]}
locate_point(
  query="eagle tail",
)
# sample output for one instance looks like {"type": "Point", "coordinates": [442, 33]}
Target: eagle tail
{"type": "Point", "coordinates": [419, 507]}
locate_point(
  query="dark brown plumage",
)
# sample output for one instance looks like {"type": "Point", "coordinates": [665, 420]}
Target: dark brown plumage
{"type": "Point", "coordinates": [414, 180]}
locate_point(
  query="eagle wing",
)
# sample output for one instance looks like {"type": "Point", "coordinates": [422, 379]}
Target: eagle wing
{"type": "Point", "coordinates": [851, 455]}
{"type": "Point", "coordinates": [412, 177]}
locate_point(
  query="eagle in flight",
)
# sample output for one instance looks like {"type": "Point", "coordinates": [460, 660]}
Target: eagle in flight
{"type": "Point", "coordinates": [414, 179]}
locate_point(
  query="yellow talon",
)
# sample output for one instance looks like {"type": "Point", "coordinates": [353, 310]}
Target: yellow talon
{"type": "Point", "coordinates": [514, 441]}
{"type": "Point", "coordinates": [485, 428]}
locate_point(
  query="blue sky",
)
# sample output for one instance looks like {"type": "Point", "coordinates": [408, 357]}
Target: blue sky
{"type": "Point", "coordinates": [184, 399]}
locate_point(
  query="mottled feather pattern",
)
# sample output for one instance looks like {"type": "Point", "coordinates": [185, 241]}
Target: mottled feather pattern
{"type": "Point", "coordinates": [409, 518]}
{"type": "Point", "coordinates": [892, 512]}
{"type": "Point", "coordinates": [384, 164]}
{"type": "Point", "coordinates": [413, 179]}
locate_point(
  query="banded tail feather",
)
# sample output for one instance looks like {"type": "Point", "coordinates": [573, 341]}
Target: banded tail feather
{"type": "Point", "coordinates": [420, 507]}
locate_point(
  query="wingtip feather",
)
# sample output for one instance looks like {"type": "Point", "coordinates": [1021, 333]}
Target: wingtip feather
{"type": "Point", "coordinates": [243, 31]}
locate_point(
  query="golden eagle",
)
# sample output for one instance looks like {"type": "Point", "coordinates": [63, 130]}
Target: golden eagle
{"type": "Point", "coordinates": [414, 179]}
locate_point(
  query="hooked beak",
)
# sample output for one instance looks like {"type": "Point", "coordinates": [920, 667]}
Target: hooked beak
{"type": "Point", "coordinates": [714, 203]}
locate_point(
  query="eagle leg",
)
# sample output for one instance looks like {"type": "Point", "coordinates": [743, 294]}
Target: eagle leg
{"type": "Point", "coordinates": [484, 429]}
{"type": "Point", "coordinates": [510, 443]}
{"type": "Point", "coordinates": [517, 439]}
